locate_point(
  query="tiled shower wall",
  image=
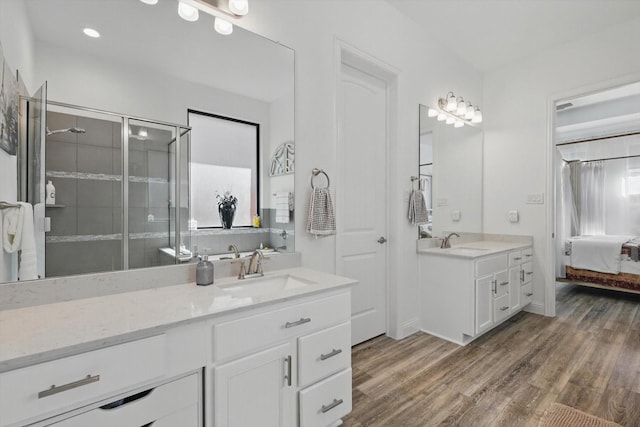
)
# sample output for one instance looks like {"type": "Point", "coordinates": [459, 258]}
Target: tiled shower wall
{"type": "Point", "coordinates": [86, 222]}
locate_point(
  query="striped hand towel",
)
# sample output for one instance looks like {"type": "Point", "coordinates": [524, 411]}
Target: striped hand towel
{"type": "Point", "coordinates": [321, 220]}
{"type": "Point", "coordinates": [418, 214]}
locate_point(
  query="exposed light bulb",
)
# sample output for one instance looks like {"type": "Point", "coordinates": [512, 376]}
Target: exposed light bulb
{"type": "Point", "coordinates": [151, 2]}
{"type": "Point", "coordinates": [458, 124]}
{"type": "Point", "coordinates": [477, 116]}
{"type": "Point", "coordinates": [452, 104]}
{"type": "Point", "coordinates": [223, 27]}
{"type": "Point", "coordinates": [91, 33]}
{"type": "Point", "coordinates": [470, 112]}
{"type": "Point", "coordinates": [441, 117]}
{"type": "Point", "coordinates": [431, 112]}
{"type": "Point", "coordinates": [461, 110]}
{"type": "Point", "coordinates": [450, 120]}
{"type": "Point", "coordinates": [239, 7]}
{"type": "Point", "coordinates": [187, 12]}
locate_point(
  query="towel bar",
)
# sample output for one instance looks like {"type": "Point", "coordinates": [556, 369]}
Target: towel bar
{"type": "Point", "coordinates": [315, 172]}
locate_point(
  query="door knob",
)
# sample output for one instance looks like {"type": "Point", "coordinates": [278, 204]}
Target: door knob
{"type": "Point", "coordinates": [382, 240]}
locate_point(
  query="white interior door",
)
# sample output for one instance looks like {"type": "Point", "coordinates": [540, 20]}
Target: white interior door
{"type": "Point", "coordinates": [361, 197]}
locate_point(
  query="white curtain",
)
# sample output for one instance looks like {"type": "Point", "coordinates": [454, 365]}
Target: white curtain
{"type": "Point", "coordinates": [592, 199]}
{"type": "Point", "coordinates": [568, 222]}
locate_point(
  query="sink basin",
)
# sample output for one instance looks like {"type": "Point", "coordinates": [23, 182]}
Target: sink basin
{"type": "Point", "coordinates": [265, 285]}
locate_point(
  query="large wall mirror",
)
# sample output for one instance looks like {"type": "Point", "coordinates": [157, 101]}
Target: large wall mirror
{"type": "Point", "coordinates": [451, 169]}
{"type": "Point", "coordinates": [150, 68]}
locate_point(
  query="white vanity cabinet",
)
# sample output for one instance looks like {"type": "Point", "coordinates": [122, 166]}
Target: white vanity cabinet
{"type": "Point", "coordinates": [464, 296]}
{"type": "Point", "coordinates": [69, 391]}
{"type": "Point", "coordinates": [287, 365]}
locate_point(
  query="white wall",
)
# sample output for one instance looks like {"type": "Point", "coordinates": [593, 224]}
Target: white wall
{"type": "Point", "coordinates": [516, 114]}
{"type": "Point", "coordinates": [427, 72]}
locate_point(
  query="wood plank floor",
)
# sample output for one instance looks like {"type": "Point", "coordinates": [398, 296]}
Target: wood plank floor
{"type": "Point", "coordinates": [587, 357]}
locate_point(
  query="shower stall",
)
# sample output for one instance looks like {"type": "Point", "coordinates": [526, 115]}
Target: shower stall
{"type": "Point", "coordinates": [121, 191]}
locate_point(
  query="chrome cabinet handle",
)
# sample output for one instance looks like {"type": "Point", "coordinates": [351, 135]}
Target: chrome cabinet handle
{"type": "Point", "coordinates": [288, 375]}
{"type": "Point", "coordinates": [504, 283]}
{"type": "Point", "coordinates": [330, 406]}
{"type": "Point", "coordinates": [529, 294]}
{"type": "Point", "coordinates": [334, 352]}
{"type": "Point", "coordinates": [529, 273]}
{"type": "Point", "coordinates": [528, 255]}
{"type": "Point", "coordinates": [522, 275]}
{"type": "Point", "coordinates": [59, 389]}
{"type": "Point", "coordinates": [504, 308]}
{"type": "Point", "coordinates": [302, 321]}
{"type": "Point", "coordinates": [494, 284]}
{"type": "Point", "coordinates": [518, 258]}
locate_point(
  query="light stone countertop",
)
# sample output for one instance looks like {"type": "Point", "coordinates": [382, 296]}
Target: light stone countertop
{"type": "Point", "coordinates": [46, 332]}
{"type": "Point", "coordinates": [473, 250]}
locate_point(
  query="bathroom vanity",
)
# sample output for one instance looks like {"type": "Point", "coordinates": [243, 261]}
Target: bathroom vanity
{"type": "Point", "coordinates": [470, 288]}
{"type": "Point", "coordinates": [273, 351]}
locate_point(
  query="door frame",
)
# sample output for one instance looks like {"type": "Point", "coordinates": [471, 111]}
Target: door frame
{"type": "Point", "coordinates": [550, 270]}
{"type": "Point", "coordinates": [350, 55]}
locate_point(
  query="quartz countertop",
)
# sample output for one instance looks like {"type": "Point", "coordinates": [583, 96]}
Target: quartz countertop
{"type": "Point", "coordinates": [40, 333]}
{"type": "Point", "coordinates": [472, 250]}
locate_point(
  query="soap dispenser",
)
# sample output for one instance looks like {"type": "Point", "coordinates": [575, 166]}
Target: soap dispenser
{"type": "Point", "coordinates": [50, 198]}
{"type": "Point", "coordinates": [204, 271]}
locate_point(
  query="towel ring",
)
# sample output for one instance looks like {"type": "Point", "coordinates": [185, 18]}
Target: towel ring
{"type": "Point", "coordinates": [315, 172]}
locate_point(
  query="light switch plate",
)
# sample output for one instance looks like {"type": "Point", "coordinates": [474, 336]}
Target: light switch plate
{"type": "Point", "coordinates": [513, 216]}
{"type": "Point", "coordinates": [535, 199]}
{"type": "Point", "coordinates": [442, 202]}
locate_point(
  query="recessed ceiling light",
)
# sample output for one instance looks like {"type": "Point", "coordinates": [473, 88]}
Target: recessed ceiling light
{"type": "Point", "coordinates": [91, 32]}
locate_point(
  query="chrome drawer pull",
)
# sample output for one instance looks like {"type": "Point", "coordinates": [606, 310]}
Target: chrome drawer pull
{"type": "Point", "coordinates": [332, 405]}
{"type": "Point", "coordinates": [302, 321]}
{"type": "Point", "coordinates": [504, 283]}
{"type": "Point", "coordinates": [289, 368]}
{"type": "Point", "coordinates": [518, 258]}
{"type": "Point", "coordinates": [329, 355]}
{"type": "Point", "coordinates": [529, 294]}
{"type": "Point", "coordinates": [504, 308]}
{"type": "Point", "coordinates": [494, 286]}
{"type": "Point", "coordinates": [528, 255]}
{"type": "Point", "coordinates": [529, 273]}
{"type": "Point", "coordinates": [59, 389]}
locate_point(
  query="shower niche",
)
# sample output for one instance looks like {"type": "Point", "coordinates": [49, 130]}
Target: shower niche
{"type": "Point", "coordinates": [121, 187]}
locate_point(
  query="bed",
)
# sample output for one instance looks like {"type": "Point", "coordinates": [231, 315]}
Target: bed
{"type": "Point", "coordinates": [610, 262]}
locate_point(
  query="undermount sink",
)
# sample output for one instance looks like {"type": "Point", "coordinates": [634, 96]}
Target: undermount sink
{"type": "Point", "coordinates": [265, 285]}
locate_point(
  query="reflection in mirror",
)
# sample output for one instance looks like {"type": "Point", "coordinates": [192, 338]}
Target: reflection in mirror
{"type": "Point", "coordinates": [451, 161]}
{"type": "Point", "coordinates": [141, 68]}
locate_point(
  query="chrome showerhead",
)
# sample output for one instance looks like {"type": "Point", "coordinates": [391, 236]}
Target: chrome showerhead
{"type": "Point", "coordinates": [72, 130]}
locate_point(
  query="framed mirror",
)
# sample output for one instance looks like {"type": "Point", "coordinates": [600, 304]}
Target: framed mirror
{"type": "Point", "coordinates": [450, 166]}
{"type": "Point", "coordinates": [151, 65]}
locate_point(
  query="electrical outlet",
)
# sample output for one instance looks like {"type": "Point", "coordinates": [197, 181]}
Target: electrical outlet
{"type": "Point", "coordinates": [442, 202]}
{"type": "Point", "coordinates": [535, 199]}
{"type": "Point", "coordinates": [455, 215]}
{"type": "Point", "coordinates": [513, 216]}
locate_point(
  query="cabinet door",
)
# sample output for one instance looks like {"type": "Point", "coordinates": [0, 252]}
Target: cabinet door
{"type": "Point", "coordinates": [484, 303]}
{"type": "Point", "coordinates": [514, 288]}
{"type": "Point", "coordinates": [256, 390]}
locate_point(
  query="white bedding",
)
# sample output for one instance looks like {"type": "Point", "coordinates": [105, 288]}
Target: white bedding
{"type": "Point", "coordinates": [597, 253]}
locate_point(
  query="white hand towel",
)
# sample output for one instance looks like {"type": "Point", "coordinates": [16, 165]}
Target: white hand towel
{"type": "Point", "coordinates": [28, 269]}
{"type": "Point", "coordinates": [282, 207]}
{"type": "Point", "coordinates": [321, 220]}
{"type": "Point", "coordinates": [18, 234]}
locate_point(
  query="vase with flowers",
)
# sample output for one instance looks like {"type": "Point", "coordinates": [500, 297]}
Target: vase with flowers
{"type": "Point", "coordinates": [227, 208]}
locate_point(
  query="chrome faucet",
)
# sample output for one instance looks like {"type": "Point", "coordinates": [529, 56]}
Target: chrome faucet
{"type": "Point", "coordinates": [255, 264]}
{"type": "Point", "coordinates": [446, 242]}
{"type": "Point", "coordinates": [234, 248]}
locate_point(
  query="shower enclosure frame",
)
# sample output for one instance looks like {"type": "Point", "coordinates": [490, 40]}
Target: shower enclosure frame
{"type": "Point", "coordinates": [180, 131]}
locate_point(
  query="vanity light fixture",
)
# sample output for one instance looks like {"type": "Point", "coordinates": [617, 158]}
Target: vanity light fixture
{"type": "Point", "coordinates": [224, 11]}
{"type": "Point", "coordinates": [432, 113]}
{"type": "Point", "coordinates": [151, 2]}
{"type": "Point", "coordinates": [454, 110]}
{"type": "Point", "coordinates": [187, 12]}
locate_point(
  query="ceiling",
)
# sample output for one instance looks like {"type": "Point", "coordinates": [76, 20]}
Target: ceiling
{"type": "Point", "coordinates": [490, 34]}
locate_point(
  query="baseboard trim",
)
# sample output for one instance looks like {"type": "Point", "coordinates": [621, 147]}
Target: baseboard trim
{"type": "Point", "coordinates": [535, 308]}
{"type": "Point", "coordinates": [407, 328]}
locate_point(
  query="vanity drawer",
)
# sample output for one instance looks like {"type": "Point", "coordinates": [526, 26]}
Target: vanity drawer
{"type": "Point", "coordinates": [501, 308]}
{"type": "Point", "coordinates": [515, 258]}
{"type": "Point", "coordinates": [323, 353]}
{"type": "Point", "coordinates": [527, 293]}
{"type": "Point", "coordinates": [527, 254]}
{"type": "Point", "coordinates": [270, 327]}
{"type": "Point", "coordinates": [527, 267]}
{"type": "Point", "coordinates": [327, 401]}
{"type": "Point", "coordinates": [27, 393]}
{"type": "Point", "coordinates": [177, 399]}
{"type": "Point", "coordinates": [491, 265]}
